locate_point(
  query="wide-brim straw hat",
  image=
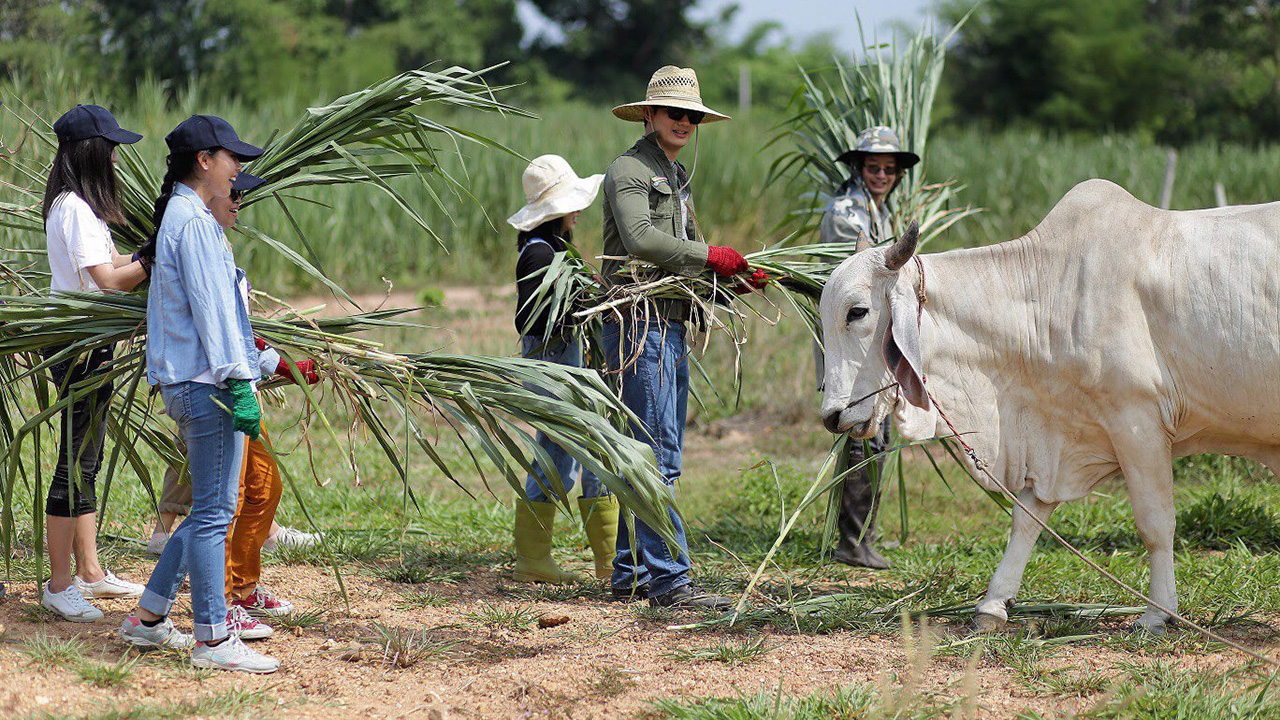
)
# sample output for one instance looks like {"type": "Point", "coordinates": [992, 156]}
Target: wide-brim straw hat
{"type": "Point", "coordinates": [551, 190]}
{"type": "Point", "coordinates": [879, 140]}
{"type": "Point", "coordinates": [670, 86]}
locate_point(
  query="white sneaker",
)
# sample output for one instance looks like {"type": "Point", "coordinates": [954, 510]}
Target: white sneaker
{"type": "Point", "coordinates": [70, 604]}
{"type": "Point", "coordinates": [290, 538]}
{"type": "Point", "coordinates": [156, 544]}
{"type": "Point", "coordinates": [108, 587]}
{"type": "Point", "coordinates": [246, 626]}
{"type": "Point", "coordinates": [162, 635]}
{"type": "Point", "coordinates": [233, 654]}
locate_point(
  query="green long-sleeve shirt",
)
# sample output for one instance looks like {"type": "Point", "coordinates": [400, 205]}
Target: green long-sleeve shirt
{"type": "Point", "coordinates": [643, 218]}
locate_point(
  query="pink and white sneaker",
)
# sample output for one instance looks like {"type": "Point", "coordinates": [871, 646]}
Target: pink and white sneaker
{"type": "Point", "coordinates": [232, 654]}
{"type": "Point", "coordinates": [247, 627]}
{"type": "Point", "coordinates": [262, 603]}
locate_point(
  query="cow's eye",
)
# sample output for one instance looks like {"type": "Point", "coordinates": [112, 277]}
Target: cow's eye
{"type": "Point", "coordinates": [855, 313]}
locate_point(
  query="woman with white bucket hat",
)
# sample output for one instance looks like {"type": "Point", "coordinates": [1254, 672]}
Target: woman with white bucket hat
{"type": "Point", "coordinates": [555, 197]}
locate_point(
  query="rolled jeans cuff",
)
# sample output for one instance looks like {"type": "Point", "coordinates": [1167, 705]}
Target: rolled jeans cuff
{"type": "Point", "coordinates": [206, 633]}
{"type": "Point", "coordinates": [155, 603]}
{"type": "Point", "coordinates": [657, 590]}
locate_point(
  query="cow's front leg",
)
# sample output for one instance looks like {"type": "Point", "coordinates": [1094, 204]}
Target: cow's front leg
{"type": "Point", "coordinates": [992, 612]}
{"type": "Point", "coordinates": [1149, 476]}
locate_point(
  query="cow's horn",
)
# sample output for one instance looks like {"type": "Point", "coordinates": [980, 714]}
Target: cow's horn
{"type": "Point", "coordinates": [864, 242]}
{"type": "Point", "coordinates": [902, 250]}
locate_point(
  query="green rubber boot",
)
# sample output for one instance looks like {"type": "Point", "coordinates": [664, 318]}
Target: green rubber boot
{"type": "Point", "coordinates": [600, 520]}
{"type": "Point", "coordinates": [534, 522]}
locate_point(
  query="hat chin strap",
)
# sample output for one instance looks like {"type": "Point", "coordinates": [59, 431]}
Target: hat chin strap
{"type": "Point", "coordinates": [694, 167]}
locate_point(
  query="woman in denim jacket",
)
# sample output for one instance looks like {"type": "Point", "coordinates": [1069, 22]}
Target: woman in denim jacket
{"type": "Point", "coordinates": [200, 351]}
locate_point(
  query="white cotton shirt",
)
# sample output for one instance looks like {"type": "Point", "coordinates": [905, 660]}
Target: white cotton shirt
{"type": "Point", "coordinates": [77, 239]}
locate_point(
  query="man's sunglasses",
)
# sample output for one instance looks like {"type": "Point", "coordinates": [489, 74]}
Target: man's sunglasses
{"type": "Point", "coordinates": [678, 114]}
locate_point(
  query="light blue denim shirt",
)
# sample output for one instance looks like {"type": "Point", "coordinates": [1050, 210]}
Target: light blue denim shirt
{"type": "Point", "coordinates": [195, 319]}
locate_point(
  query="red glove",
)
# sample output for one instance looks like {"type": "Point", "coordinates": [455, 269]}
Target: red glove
{"type": "Point", "coordinates": [725, 261]}
{"type": "Point", "coordinates": [757, 281]}
{"type": "Point", "coordinates": [306, 368]}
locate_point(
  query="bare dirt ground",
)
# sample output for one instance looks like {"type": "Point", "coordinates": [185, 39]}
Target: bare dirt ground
{"type": "Point", "coordinates": [604, 662]}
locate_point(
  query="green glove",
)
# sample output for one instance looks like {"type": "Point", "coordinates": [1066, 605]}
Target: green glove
{"type": "Point", "coordinates": [245, 413]}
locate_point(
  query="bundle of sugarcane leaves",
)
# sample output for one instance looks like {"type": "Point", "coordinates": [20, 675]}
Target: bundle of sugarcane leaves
{"type": "Point", "coordinates": [484, 402]}
{"type": "Point", "coordinates": [575, 298]}
{"type": "Point", "coordinates": [367, 138]}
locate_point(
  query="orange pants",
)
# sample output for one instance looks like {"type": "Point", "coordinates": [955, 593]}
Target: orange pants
{"type": "Point", "coordinates": [260, 490]}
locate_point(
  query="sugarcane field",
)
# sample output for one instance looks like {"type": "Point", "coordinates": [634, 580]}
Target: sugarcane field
{"type": "Point", "coordinates": [694, 360]}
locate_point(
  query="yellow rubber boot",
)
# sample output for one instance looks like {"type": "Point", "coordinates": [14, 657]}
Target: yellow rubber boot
{"type": "Point", "coordinates": [600, 520]}
{"type": "Point", "coordinates": [534, 522]}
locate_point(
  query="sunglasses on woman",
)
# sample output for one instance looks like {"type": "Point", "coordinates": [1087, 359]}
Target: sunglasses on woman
{"type": "Point", "coordinates": [880, 170]}
{"type": "Point", "coordinates": [678, 114]}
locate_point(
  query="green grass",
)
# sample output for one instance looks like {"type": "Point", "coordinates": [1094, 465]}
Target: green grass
{"type": "Point", "coordinates": [49, 650]}
{"type": "Point", "coordinates": [406, 647]}
{"type": "Point", "coordinates": [419, 599]}
{"type": "Point", "coordinates": [850, 703]}
{"type": "Point", "coordinates": [225, 705]}
{"type": "Point", "coordinates": [496, 617]}
{"type": "Point", "coordinates": [544, 592]}
{"type": "Point", "coordinates": [105, 675]}
{"type": "Point", "coordinates": [1165, 691]}
{"type": "Point", "coordinates": [727, 651]}
{"type": "Point", "coordinates": [299, 619]}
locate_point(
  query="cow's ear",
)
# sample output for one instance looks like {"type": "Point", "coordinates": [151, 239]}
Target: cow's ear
{"type": "Point", "coordinates": [902, 348]}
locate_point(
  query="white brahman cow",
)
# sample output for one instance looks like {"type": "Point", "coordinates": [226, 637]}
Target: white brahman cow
{"type": "Point", "coordinates": [1110, 339]}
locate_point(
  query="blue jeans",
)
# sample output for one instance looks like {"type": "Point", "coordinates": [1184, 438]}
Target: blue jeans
{"type": "Point", "coordinates": [537, 485]}
{"type": "Point", "coordinates": [215, 452]}
{"type": "Point", "coordinates": [656, 389]}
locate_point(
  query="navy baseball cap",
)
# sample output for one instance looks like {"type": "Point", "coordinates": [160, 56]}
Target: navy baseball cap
{"type": "Point", "coordinates": [245, 182]}
{"type": "Point", "coordinates": [203, 132]}
{"type": "Point", "coordinates": [89, 121]}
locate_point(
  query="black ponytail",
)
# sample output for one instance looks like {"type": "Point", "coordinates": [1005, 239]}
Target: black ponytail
{"type": "Point", "coordinates": [179, 166]}
{"type": "Point", "coordinates": [553, 228]}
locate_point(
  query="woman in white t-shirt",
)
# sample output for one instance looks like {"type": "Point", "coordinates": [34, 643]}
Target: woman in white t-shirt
{"type": "Point", "coordinates": [79, 200]}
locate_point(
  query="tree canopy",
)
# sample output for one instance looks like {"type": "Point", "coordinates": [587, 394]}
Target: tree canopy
{"type": "Point", "coordinates": [1179, 70]}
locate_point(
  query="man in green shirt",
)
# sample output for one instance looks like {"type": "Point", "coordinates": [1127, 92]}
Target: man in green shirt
{"type": "Point", "coordinates": [648, 215]}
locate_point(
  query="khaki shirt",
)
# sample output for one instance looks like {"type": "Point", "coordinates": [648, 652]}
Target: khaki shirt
{"type": "Point", "coordinates": [643, 218]}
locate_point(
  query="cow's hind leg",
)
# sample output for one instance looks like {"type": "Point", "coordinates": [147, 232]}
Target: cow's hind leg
{"type": "Point", "coordinates": [1148, 473]}
{"type": "Point", "coordinates": [992, 612]}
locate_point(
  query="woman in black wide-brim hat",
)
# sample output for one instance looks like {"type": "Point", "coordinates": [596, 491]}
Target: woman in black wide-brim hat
{"type": "Point", "coordinates": [860, 211]}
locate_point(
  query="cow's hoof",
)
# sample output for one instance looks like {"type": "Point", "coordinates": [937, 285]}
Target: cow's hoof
{"type": "Point", "coordinates": [1150, 628]}
{"type": "Point", "coordinates": [985, 623]}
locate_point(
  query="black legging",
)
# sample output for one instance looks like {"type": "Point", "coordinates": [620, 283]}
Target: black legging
{"type": "Point", "coordinates": [86, 422]}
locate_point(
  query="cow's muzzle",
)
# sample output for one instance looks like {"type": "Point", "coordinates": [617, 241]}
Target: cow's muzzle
{"type": "Point", "coordinates": [838, 421]}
